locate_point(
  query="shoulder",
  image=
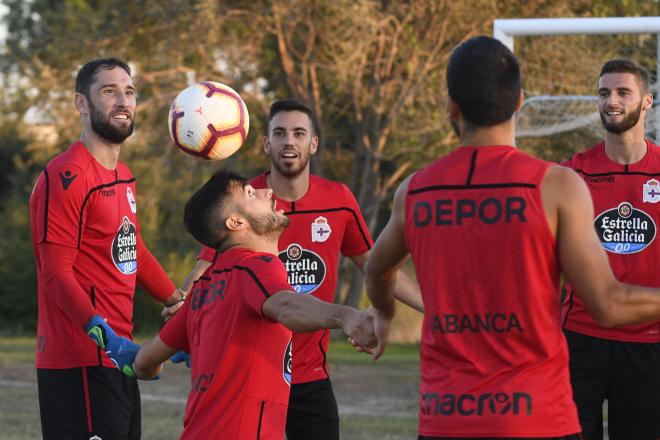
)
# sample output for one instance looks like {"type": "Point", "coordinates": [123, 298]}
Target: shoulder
{"type": "Point", "coordinates": [323, 184]}
{"type": "Point", "coordinates": [257, 263]}
{"type": "Point", "coordinates": [578, 159]}
{"type": "Point", "coordinates": [562, 184]}
{"type": "Point", "coordinates": [124, 172]}
{"type": "Point", "coordinates": [75, 157]}
{"type": "Point", "coordinates": [326, 190]}
{"type": "Point", "coordinates": [260, 181]}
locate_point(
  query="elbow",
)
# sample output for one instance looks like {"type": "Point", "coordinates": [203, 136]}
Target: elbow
{"type": "Point", "coordinates": [605, 315]}
{"type": "Point", "coordinates": [144, 369]}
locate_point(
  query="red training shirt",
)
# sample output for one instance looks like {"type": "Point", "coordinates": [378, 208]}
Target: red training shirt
{"type": "Point", "coordinates": [494, 361]}
{"type": "Point", "coordinates": [325, 222]}
{"type": "Point", "coordinates": [240, 369]}
{"type": "Point", "coordinates": [627, 208]}
{"type": "Point", "coordinates": [89, 211]}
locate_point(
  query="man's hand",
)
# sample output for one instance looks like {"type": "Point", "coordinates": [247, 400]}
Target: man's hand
{"type": "Point", "coordinates": [120, 350]}
{"type": "Point", "coordinates": [359, 327]}
{"type": "Point", "coordinates": [382, 331]}
{"type": "Point", "coordinates": [181, 356]}
{"type": "Point", "coordinates": [173, 304]}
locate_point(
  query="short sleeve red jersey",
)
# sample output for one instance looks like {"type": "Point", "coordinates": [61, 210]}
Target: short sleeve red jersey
{"type": "Point", "coordinates": [240, 369]}
{"type": "Point", "coordinates": [325, 222]}
{"type": "Point", "coordinates": [494, 361]}
{"type": "Point", "coordinates": [627, 209]}
{"type": "Point", "coordinates": [78, 203]}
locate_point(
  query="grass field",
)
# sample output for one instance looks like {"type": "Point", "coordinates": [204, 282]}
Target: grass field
{"type": "Point", "coordinates": [376, 401]}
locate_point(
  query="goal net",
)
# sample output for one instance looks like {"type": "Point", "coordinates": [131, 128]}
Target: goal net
{"type": "Point", "coordinates": [560, 60]}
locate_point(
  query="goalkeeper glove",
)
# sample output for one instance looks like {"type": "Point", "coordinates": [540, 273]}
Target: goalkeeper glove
{"type": "Point", "coordinates": [181, 356]}
{"type": "Point", "coordinates": [122, 351]}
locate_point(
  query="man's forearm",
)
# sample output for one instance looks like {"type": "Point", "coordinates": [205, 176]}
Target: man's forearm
{"type": "Point", "coordinates": [407, 291]}
{"type": "Point", "coordinates": [305, 313]}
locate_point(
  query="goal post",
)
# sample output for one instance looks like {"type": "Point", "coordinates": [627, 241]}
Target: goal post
{"type": "Point", "coordinates": [553, 108]}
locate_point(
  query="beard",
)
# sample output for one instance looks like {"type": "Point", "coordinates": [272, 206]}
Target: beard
{"type": "Point", "coordinates": [102, 126]}
{"type": "Point", "coordinates": [628, 121]}
{"type": "Point", "coordinates": [293, 170]}
{"type": "Point", "coordinates": [268, 225]}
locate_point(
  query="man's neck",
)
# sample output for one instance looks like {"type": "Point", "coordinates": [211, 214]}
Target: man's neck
{"type": "Point", "coordinates": [500, 134]}
{"type": "Point", "coordinates": [288, 188]}
{"type": "Point", "coordinates": [251, 242]}
{"type": "Point", "coordinates": [105, 153]}
{"type": "Point", "coordinates": [627, 147]}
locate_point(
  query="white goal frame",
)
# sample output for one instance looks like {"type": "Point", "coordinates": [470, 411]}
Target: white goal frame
{"type": "Point", "coordinates": [506, 30]}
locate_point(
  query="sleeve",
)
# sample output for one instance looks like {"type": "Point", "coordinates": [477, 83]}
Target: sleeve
{"type": "Point", "coordinates": [264, 276]}
{"type": "Point", "coordinates": [357, 239]}
{"type": "Point", "coordinates": [150, 274]}
{"type": "Point", "coordinates": [174, 333]}
{"type": "Point", "coordinates": [61, 211]}
{"type": "Point", "coordinates": [207, 254]}
{"type": "Point", "coordinates": [61, 285]}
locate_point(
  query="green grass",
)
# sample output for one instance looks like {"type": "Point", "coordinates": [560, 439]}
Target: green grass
{"type": "Point", "coordinates": [376, 399]}
{"type": "Point", "coordinates": [16, 349]}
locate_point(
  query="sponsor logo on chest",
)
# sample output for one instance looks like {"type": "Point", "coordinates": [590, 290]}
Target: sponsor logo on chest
{"type": "Point", "coordinates": [625, 229]}
{"type": "Point", "coordinates": [286, 363]}
{"type": "Point", "coordinates": [124, 248]}
{"type": "Point", "coordinates": [305, 269]}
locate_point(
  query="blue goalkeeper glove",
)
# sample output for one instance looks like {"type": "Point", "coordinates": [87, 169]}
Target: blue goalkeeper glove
{"type": "Point", "coordinates": [122, 351]}
{"type": "Point", "coordinates": [181, 356]}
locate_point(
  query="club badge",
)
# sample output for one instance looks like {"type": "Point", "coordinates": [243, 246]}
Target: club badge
{"type": "Point", "coordinates": [320, 230]}
{"type": "Point", "coordinates": [131, 200]}
{"type": "Point", "coordinates": [651, 191]}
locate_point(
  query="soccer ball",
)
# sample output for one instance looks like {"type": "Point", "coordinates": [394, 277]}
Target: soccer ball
{"type": "Point", "coordinates": [209, 120]}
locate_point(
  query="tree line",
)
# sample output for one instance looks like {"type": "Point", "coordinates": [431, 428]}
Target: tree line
{"type": "Point", "coordinates": [372, 70]}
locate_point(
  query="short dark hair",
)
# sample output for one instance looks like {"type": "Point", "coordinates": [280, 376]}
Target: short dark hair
{"type": "Point", "coordinates": [294, 105]}
{"type": "Point", "coordinates": [202, 214]}
{"type": "Point", "coordinates": [483, 78]}
{"type": "Point", "coordinates": [627, 66]}
{"type": "Point", "coordinates": [87, 73]}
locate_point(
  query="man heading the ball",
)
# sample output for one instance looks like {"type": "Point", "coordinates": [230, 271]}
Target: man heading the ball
{"type": "Point", "coordinates": [325, 222]}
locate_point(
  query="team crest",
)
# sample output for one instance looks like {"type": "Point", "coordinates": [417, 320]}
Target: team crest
{"type": "Point", "coordinates": [651, 191]}
{"type": "Point", "coordinates": [131, 200]}
{"type": "Point", "coordinates": [320, 230]}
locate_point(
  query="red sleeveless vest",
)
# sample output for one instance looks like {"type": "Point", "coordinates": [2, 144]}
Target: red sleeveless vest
{"type": "Point", "coordinates": [494, 361]}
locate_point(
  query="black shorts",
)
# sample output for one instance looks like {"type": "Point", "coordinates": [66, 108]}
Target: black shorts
{"type": "Point", "coordinates": [566, 437]}
{"type": "Point", "coordinates": [80, 403]}
{"type": "Point", "coordinates": [312, 412]}
{"type": "Point", "coordinates": [627, 374]}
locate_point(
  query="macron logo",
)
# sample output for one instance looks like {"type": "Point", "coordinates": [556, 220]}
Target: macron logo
{"type": "Point", "coordinates": [67, 178]}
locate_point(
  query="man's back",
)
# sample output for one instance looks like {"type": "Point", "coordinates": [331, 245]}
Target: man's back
{"type": "Point", "coordinates": [494, 361]}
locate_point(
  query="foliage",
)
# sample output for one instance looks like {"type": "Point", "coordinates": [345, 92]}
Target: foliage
{"type": "Point", "coordinates": [372, 69]}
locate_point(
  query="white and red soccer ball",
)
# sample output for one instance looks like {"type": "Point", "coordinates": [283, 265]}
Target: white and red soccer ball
{"type": "Point", "coordinates": [209, 120]}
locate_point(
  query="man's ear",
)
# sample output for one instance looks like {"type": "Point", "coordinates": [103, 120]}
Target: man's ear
{"type": "Point", "coordinates": [647, 101]}
{"type": "Point", "coordinates": [521, 100]}
{"type": "Point", "coordinates": [314, 145]}
{"type": "Point", "coordinates": [236, 222]}
{"type": "Point", "coordinates": [452, 108]}
{"type": "Point", "coordinates": [80, 101]}
{"type": "Point", "coordinates": [266, 145]}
